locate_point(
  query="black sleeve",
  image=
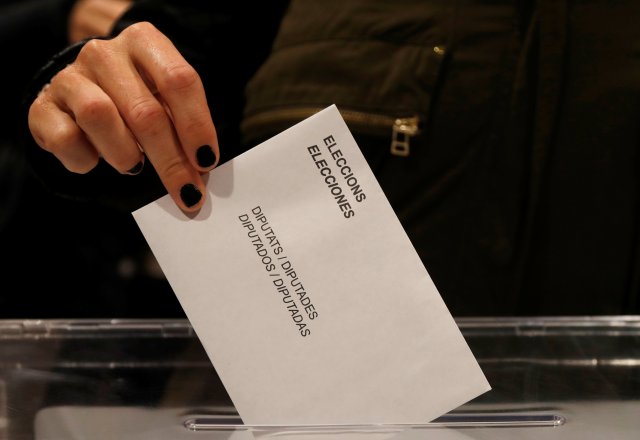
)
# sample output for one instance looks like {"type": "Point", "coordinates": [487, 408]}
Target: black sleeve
{"type": "Point", "coordinates": [225, 44]}
{"type": "Point", "coordinates": [30, 32]}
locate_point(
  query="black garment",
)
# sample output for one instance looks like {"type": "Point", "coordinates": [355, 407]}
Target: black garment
{"type": "Point", "coordinates": [30, 33]}
{"type": "Point", "coordinates": [61, 258]}
{"type": "Point", "coordinates": [520, 192]}
{"type": "Point", "coordinates": [49, 246]}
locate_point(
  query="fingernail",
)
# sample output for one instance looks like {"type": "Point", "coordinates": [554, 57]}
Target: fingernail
{"type": "Point", "coordinates": [137, 169]}
{"type": "Point", "coordinates": [205, 156]}
{"type": "Point", "coordinates": [190, 195]}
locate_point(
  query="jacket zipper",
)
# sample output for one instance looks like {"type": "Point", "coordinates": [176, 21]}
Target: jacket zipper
{"type": "Point", "coordinates": [402, 129]}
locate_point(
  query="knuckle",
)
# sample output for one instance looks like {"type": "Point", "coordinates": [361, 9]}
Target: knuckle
{"type": "Point", "coordinates": [37, 107]}
{"type": "Point", "coordinates": [63, 82]}
{"type": "Point", "coordinates": [178, 77]}
{"type": "Point", "coordinates": [62, 77]}
{"type": "Point", "coordinates": [61, 139]}
{"type": "Point", "coordinates": [94, 111]}
{"type": "Point", "coordinates": [93, 50]}
{"type": "Point", "coordinates": [141, 29]}
{"type": "Point", "coordinates": [145, 112]}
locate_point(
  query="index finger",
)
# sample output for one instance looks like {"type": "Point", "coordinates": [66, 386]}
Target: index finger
{"type": "Point", "coordinates": [181, 89]}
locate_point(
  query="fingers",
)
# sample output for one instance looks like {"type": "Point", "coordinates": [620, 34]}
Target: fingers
{"type": "Point", "coordinates": [130, 93]}
{"type": "Point", "coordinates": [181, 89]}
{"type": "Point", "coordinates": [97, 116]}
{"type": "Point", "coordinates": [55, 131]}
{"type": "Point", "coordinates": [147, 120]}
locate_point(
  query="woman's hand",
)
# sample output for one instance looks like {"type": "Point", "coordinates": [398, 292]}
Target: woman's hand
{"type": "Point", "coordinates": [127, 98]}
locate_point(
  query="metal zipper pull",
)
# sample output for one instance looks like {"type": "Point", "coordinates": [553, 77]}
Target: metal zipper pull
{"type": "Point", "coordinates": [402, 131]}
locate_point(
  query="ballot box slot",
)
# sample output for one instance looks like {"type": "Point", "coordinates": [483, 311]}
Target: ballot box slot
{"type": "Point", "coordinates": [448, 421]}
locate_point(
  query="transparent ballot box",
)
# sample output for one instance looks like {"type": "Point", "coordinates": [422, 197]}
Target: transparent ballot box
{"type": "Point", "coordinates": [568, 378]}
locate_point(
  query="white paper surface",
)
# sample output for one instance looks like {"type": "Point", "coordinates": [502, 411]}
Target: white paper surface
{"type": "Point", "coordinates": [375, 343]}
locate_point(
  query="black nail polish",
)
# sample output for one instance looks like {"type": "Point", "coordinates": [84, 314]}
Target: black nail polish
{"type": "Point", "coordinates": [137, 169]}
{"type": "Point", "coordinates": [205, 156]}
{"type": "Point", "coordinates": [190, 194]}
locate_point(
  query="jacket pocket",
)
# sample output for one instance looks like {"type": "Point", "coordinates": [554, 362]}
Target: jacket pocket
{"type": "Point", "coordinates": [384, 91]}
{"type": "Point", "coordinates": [399, 129]}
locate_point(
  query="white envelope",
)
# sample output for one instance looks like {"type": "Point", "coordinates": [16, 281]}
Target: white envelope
{"type": "Point", "coordinates": [306, 292]}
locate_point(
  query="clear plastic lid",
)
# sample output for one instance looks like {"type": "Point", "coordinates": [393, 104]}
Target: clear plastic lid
{"type": "Point", "coordinates": [106, 379]}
